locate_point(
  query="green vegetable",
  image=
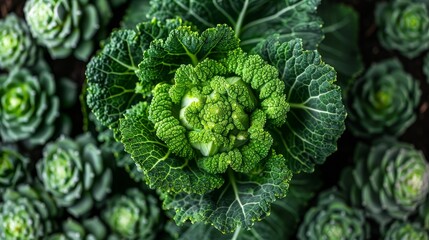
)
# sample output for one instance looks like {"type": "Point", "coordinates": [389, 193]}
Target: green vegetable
{"type": "Point", "coordinates": [28, 107]}
{"type": "Point", "coordinates": [26, 213]}
{"type": "Point", "coordinates": [206, 121]}
{"type": "Point", "coordinates": [74, 173]}
{"type": "Point", "coordinates": [405, 231]}
{"type": "Point", "coordinates": [112, 83]}
{"type": "Point", "coordinates": [333, 219]}
{"type": "Point", "coordinates": [390, 180]}
{"type": "Point", "coordinates": [133, 215]}
{"type": "Point", "coordinates": [16, 44]}
{"type": "Point", "coordinates": [13, 167]}
{"type": "Point", "coordinates": [402, 26]}
{"type": "Point", "coordinates": [284, 212]}
{"type": "Point", "coordinates": [383, 101]}
{"type": "Point", "coordinates": [66, 27]}
{"type": "Point", "coordinates": [252, 20]}
{"type": "Point", "coordinates": [86, 229]}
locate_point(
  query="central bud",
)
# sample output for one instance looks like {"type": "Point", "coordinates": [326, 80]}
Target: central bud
{"type": "Point", "coordinates": [214, 116]}
{"type": "Point", "coordinates": [216, 113]}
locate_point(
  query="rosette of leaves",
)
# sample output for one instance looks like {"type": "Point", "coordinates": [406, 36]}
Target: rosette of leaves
{"type": "Point", "coordinates": [218, 131]}
{"type": "Point", "coordinates": [389, 180]}
{"type": "Point", "coordinates": [74, 172]}
{"type": "Point", "coordinates": [405, 231]}
{"type": "Point", "coordinates": [16, 43]}
{"type": "Point", "coordinates": [26, 213]}
{"type": "Point", "coordinates": [13, 167]}
{"type": "Point", "coordinates": [29, 106]}
{"type": "Point", "coordinates": [333, 219]}
{"type": "Point", "coordinates": [86, 229]}
{"type": "Point", "coordinates": [133, 215]}
{"type": "Point", "coordinates": [402, 26]}
{"type": "Point", "coordinates": [383, 101]}
{"type": "Point", "coordinates": [66, 27]}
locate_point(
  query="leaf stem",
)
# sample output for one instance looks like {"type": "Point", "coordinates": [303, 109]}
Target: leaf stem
{"type": "Point", "coordinates": [236, 233]}
{"type": "Point", "coordinates": [235, 189]}
{"type": "Point", "coordinates": [241, 18]}
{"type": "Point", "coordinates": [272, 17]}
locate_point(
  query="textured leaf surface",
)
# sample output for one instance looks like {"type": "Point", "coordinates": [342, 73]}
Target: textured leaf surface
{"type": "Point", "coordinates": [284, 212]}
{"type": "Point", "coordinates": [184, 46]}
{"type": "Point", "coordinates": [111, 78]}
{"type": "Point", "coordinates": [340, 47]}
{"type": "Point", "coordinates": [110, 74]}
{"type": "Point", "coordinates": [239, 203]}
{"type": "Point", "coordinates": [252, 20]}
{"type": "Point", "coordinates": [161, 169]}
{"type": "Point", "coordinates": [316, 117]}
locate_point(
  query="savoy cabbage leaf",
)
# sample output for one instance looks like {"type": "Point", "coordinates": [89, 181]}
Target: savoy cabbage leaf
{"type": "Point", "coordinates": [160, 168]}
{"type": "Point", "coordinates": [252, 20]}
{"type": "Point", "coordinates": [316, 117]}
{"type": "Point", "coordinates": [111, 77]}
{"type": "Point", "coordinates": [239, 203]}
{"type": "Point", "coordinates": [284, 212]}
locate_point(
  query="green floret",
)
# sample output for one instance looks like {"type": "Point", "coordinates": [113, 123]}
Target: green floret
{"type": "Point", "coordinates": [212, 112]}
{"type": "Point", "coordinates": [406, 231]}
{"type": "Point", "coordinates": [74, 172]}
{"type": "Point", "coordinates": [28, 106]}
{"type": "Point", "coordinates": [133, 215]}
{"type": "Point", "coordinates": [16, 44]}
{"type": "Point", "coordinates": [26, 212]}
{"type": "Point", "coordinates": [66, 27]}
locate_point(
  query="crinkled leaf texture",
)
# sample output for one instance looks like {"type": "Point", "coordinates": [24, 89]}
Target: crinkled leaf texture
{"type": "Point", "coordinates": [284, 212]}
{"type": "Point", "coordinates": [110, 74]}
{"type": "Point", "coordinates": [161, 170]}
{"type": "Point", "coordinates": [241, 201]}
{"type": "Point", "coordinates": [252, 20]}
{"type": "Point", "coordinates": [316, 117]}
{"type": "Point", "coordinates": [183, 46]}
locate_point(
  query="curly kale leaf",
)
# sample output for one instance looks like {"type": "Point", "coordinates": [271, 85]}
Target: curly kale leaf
{"type": "Point", "coordinates": [110, 74]}
{"type": "Point", "coordinates": [252, 20]}
{"type": "Point", "coordinates": [183, 46]}
{"type": "Point", "coordinates": [316, 117]}
{"type": "Point", "coordinates": [287, 211]}
{"type": "Point", "coordinates": [239, 203]}
{"type": "Point", "coordinates": [161, 170]}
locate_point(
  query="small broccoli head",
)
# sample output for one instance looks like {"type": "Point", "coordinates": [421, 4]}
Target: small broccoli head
{"type": "Point", "coordinates": [217, 111]}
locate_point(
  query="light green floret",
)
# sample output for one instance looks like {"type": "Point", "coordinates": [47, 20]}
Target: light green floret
{"type": "Point", "coordinates": [28, 106]}
{"type": "Point", "coordinates": [16, 44]}
{"type": "Point", "coordinates": [133, 215]}
{"type": "Point", "coordinates": [405, 231]}
{"type": "Point", "coordinates": [75, 173]}
{"type": "Point", "coordinates": [27, 212]}
{"type": "Point", "coordinates": [67, 27]}
{"type": "Point", "coordinates": [217, 111]}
